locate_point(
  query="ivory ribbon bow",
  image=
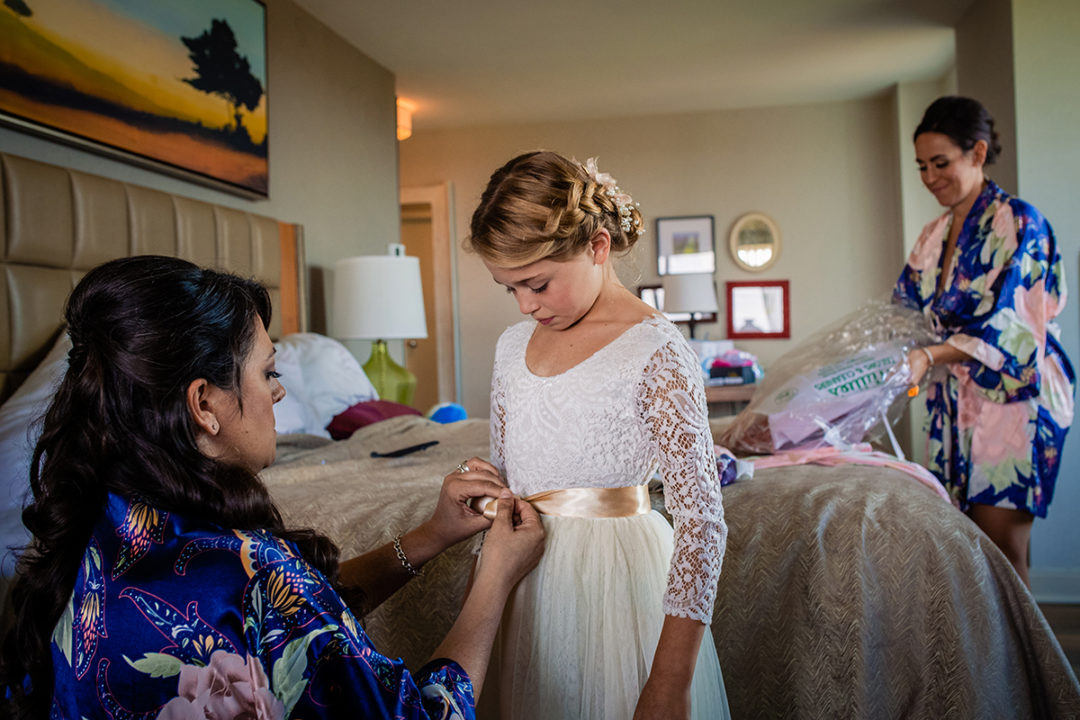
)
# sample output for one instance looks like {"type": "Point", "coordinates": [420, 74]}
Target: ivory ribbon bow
{"type": "Point", "coordinates": [580, 502]}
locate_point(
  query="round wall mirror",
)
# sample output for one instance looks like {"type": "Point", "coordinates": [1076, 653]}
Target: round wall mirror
{"type": "Point", "coordinates": [754, 242]}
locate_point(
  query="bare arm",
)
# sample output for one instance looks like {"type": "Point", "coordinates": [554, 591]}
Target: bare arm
{"type": "Point", "coordinates": [667, 692]}
{"type": "Point", "coordinates": [943, 353]}
{"type": "Point", "coordinates": [380, 573]}
{"type": "Point", "coordinates": [512, 548]}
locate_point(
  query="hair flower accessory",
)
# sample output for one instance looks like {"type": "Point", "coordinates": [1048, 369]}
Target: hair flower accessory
{"type": "Point", "coordinates": [622, 200]}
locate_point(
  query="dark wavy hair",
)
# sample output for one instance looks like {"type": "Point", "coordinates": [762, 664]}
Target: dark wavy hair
{"type": "Point", "coordinates": [142, 329]}
{"type": "Point", "coordinates": [964, 121]}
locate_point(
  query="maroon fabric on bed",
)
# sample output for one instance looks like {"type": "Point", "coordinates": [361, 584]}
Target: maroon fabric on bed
{"type": "Point", "coordinates": [364, 413]}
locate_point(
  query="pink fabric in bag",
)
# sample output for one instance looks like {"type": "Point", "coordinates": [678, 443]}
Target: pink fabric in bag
{"type": "Point", "coordinates": [861, 454]}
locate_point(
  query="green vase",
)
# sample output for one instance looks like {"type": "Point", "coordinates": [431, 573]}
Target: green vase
{"type": "Point", "coordinates": [391, 381]}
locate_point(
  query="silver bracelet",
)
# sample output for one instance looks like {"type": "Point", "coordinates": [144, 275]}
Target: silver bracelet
{"type": "Point", "coordinates": [404, 560]}
{"type": "Point", "coordinates": [929, 355]}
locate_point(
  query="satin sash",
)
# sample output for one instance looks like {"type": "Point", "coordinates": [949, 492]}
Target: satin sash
{"type": "Point", "coordinates": [580, 502]}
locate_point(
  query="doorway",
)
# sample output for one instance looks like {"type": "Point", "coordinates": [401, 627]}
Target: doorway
{"type": "Point", "coordinates": [425, 232]}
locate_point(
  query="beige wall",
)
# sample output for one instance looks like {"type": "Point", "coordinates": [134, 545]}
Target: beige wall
{"type": "Point", "coordinates": [1045, 41]}
{"type": "Point", "coordinates": [333, 152]}
{"type": "Point", "coordinates": [825, 173]}
{"type": "Point", "coordinates": [918, 206]}
{"type": "Point", "coordinates": [984, 70]}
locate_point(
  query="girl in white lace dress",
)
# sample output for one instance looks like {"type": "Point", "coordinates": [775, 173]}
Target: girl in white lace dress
{"type": "Point", "coordinates": [590, 397]}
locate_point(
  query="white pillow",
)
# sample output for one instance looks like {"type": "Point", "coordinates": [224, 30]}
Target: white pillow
{"type": "Point", "coordinates": [291, 413]}
{"type": "Point", "coordinates": [323, 377]}
{"type": "Point", "coordinates": [19, 431]}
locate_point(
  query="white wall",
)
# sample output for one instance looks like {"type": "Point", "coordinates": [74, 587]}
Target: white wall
{"type": "Point", "coordinates": [825, 173]}
{"type": "Point", "coordinates": [1046, 41]}
{"type": "Point", "coordinates": [333, 150]}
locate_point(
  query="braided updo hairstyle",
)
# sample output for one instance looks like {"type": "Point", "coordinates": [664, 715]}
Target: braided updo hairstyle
{"type": "Point", "coordinates": [543, 206]}
{"type": "Point", "coordinates": [142, 329]}
{"type": "Point", "coordinates": [964, 121]}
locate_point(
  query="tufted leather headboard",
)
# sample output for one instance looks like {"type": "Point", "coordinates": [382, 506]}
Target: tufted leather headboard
{"type": "Point", "coordinates": [56, 223]}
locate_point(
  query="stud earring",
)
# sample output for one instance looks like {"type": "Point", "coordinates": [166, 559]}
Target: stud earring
{"type": "Point", "coordinates": [214, 427]}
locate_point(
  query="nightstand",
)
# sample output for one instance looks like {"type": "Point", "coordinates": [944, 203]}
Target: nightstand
{"type": "Point", "coordinates": [728, 399]}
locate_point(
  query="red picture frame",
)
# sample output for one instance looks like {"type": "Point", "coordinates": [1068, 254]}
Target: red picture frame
{"type": "Point", "coordinates": [758, 309]}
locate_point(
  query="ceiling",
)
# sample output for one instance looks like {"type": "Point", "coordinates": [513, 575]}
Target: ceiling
{"type": "Point", "coordinates": [484, 62]}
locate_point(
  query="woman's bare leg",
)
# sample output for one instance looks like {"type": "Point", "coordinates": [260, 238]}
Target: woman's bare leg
{"type": "Point", "coordinates": [1010, 530]}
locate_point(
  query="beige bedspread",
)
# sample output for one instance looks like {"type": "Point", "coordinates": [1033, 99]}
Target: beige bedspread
{"type": "Point", "coordinates": [362, 502]}
{"type": "Point", "coordinates": [847, 592]}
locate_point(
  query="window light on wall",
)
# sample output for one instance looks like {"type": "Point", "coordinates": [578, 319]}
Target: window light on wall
{"type": "Point", "coordinates": [405, 109]}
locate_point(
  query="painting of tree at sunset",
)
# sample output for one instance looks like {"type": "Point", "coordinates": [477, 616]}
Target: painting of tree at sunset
{"type": "Point", "coordinates": [181, 83]}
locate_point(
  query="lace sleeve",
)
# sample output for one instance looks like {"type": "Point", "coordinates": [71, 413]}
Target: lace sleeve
{"type": "Point", "coordinates": [675, 413]}
{"type": "Point", "coordinates": [498, 420]}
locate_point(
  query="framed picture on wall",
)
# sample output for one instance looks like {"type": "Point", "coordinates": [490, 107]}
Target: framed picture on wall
{"type": "Point", "coordinates": [174, 85]}
{"type": "Point", "coordinates": [685, 245]}
{"type": "Point", "coordinates": [758, 310]}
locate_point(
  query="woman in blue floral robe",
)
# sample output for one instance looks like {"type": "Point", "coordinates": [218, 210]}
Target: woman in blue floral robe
{"type": "Point", "coordinates": [232, 623]}
{"type": "Point", "coordinates": [160, 582]}
{"type": "Point", "coordinates": [989, 277]}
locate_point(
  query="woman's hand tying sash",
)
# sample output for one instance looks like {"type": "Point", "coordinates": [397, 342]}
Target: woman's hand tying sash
{"type": "Point", "coordinates": [513, 545]}
{"type": "Point", "coordinates": [454, 518]}
{"type": "Point", "coordinates": [381, 572]}
{"type": "Point", "coordinates": [511, 550]}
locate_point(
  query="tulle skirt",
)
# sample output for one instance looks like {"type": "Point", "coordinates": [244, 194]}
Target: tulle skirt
{"type": "Point", "coordinates": [578, 635]}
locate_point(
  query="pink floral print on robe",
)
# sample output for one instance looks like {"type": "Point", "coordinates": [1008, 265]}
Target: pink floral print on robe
{"type": "Point", "coordinates": [996, 424]}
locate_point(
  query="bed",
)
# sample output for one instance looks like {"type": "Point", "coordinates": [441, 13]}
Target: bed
{"type": "Point", "coordinates": [846, 592]}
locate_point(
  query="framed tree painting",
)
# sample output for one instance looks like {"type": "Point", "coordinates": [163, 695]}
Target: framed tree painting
{"type": "Point", "coordinates": [177, 85]}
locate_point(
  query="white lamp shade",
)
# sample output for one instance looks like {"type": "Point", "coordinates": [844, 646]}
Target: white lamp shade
{"type": "Point", "coordinates": [693, 293]}
{"type": "Point", "coordinates": [378, 297]}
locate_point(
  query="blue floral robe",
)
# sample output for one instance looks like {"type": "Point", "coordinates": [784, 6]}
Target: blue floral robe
{"type": "Point", "coordinates": [172, 618]}
{"type": "Point", "coordinates": [996, 424]}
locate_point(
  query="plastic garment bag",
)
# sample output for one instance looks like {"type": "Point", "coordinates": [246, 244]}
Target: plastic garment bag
{"type": "Point", "coordinates": [846, 384]}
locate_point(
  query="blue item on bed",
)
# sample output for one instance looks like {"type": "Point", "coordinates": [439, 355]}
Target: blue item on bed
{"type": "Point", "coordinates": [447, 413]}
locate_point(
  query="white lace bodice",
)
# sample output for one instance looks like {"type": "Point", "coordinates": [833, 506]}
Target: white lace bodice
{"type": "Point", "coordinates": [634, 406]}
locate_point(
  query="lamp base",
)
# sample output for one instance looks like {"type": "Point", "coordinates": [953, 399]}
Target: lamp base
{"type": "Point", "coordinates": [391, 381]}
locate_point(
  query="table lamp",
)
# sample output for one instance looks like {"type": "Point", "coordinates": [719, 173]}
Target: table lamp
{"type": "Point", "coordinates": [380, 298]}
{"type": "Point", "coordinates": [693, 293]}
